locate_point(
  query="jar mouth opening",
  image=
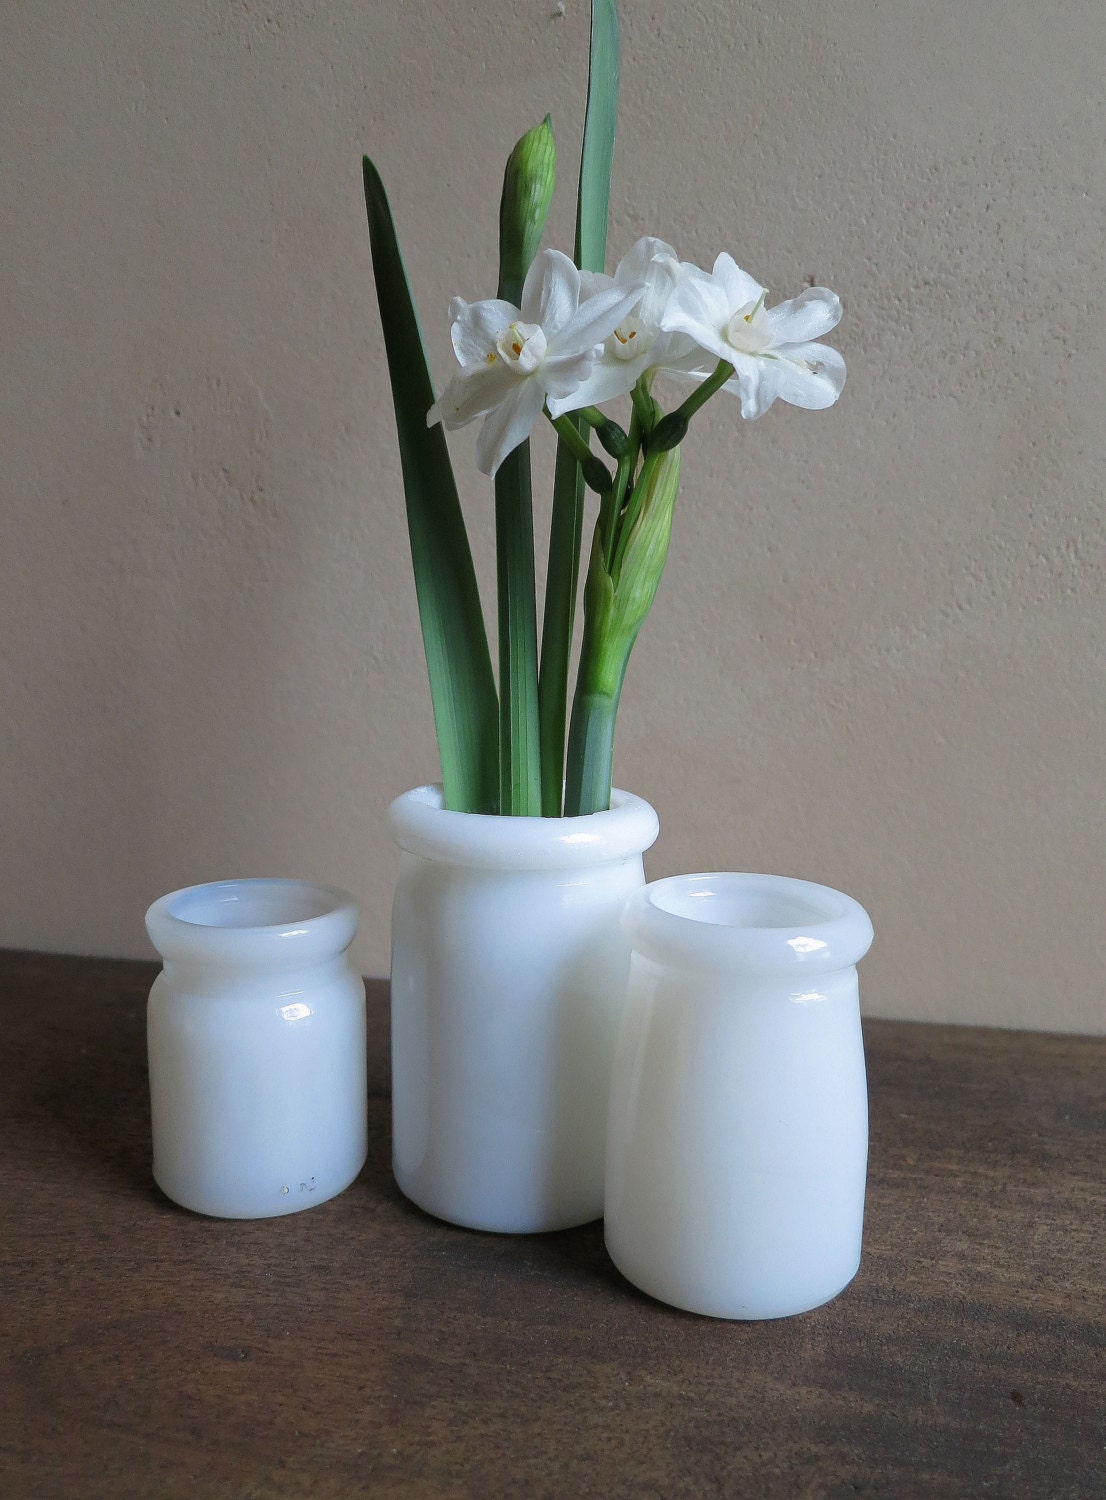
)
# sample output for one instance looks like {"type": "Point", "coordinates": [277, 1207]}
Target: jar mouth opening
{"type": "Point", "coordinates": [421, 825]}
{"type": "Point", "coordinates": [745, 902]}
{"type": "Point", "coordinates": [252, 904]}
{"type": "Point", "coordinates": [247, 921]}
{"type": "Point", "coordinates": [732, 923]}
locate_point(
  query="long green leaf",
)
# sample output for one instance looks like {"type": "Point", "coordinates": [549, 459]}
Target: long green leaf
{"type": "Point", "coordinates": [561, 581]}
{"type": "Point", "coordinates": [527, 191]}
{"type": "Point", "coordinates": [462, 685]}
{"type": "Point", "coordinates": [566, 525]}
{"type": "Point", "coordinates": [519, 743]}
{"type": "Point", "coordinates": [600, 122]}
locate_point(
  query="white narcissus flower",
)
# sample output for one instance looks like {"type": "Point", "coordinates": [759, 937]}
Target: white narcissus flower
{"type": "Point", "coordinates": [512, 359]}
{"type": "Point", "coordinates": [637, 342]}
{"type": "Point", "coordinates": [772, 349]}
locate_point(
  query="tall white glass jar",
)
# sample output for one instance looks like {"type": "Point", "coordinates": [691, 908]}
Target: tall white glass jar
{"type": "Point", "coordinates": [256, 1032]}
{"type": "Point", "coordinates": [738, 1134]}
{"type": "Point", "coordinates": [509, 968]}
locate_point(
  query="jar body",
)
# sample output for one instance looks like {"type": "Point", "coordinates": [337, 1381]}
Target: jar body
{"type": "Point", "coordinates": [257, 1069]}
{"type": "Point", "coordinates": [738, 1133]}
{"type": "Point", "coordinates": [508, 983]}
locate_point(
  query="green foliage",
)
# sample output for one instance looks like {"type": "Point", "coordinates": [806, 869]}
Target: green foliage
{"type": "Point", "coordinates": [566, 525]}
{"type": "Point", "coordinates": [462, 686]}
{"type": "Point", "coordinates": [600, 124]}
{"type": "Point", "coordinates": [527, 191]}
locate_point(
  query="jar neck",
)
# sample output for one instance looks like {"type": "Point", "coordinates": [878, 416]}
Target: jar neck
{"type": "Point", "coordinates": [217, 974]}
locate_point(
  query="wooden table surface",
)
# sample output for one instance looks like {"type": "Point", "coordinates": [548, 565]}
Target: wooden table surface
{"type": "Point", "coordinates": [362, 1348]}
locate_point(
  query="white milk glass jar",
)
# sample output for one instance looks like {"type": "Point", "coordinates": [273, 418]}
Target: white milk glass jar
{"type": "Point", "coordinates": [256, 1033]}
{"type": "Point", "coordinates": [738, 1129]}
{"type": "Point", "coordinates": [509, 967]}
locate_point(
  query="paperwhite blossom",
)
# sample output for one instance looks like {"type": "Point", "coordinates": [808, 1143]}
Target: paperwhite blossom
{"type": "Point", "coordinates": [514, 359]}
{"type": "Point", "coordinates": [637, 342]}
{"type": "Point", "coordinates": [772, 349]}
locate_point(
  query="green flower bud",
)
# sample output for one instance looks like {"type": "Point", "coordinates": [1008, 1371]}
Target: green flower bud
{"type": "Point", "coordinates": [613, 438]}
{"type": "Point", "coordinates": [527, 192]}
{"type": "Point", "coordinates": [669, 432]}
{"type": "Point", "coordinates": [597, 476]}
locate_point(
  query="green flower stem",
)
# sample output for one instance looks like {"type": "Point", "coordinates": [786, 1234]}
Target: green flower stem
{"type": "Point", "coordinates": [609, 433]}
{"type": "Point", "coordinates": [645, 408]}
{"type": "Point", "coordinates": [596, 474]}
{"type": "Point", "coordinates": [616, 603]}
{"type": "Point", "coordinates": [611, 510]}
{"type": "Point", "coordinates": [699, 397]}
{"type": "Point", "coordinates": [672, 429]}
{"type": "Point", "coordinates": [591, 733]}
{"type": "Point", "coordinates": [565, 531]}
{"type": "Point", "coordinates": [591, 753]}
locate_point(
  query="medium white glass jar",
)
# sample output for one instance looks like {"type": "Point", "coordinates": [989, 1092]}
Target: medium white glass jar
{"type": "Point", "coordinates": [509, 968]}
{"type": "Point", "coordinates": [738, 1130]}
{"type": "Point", "coordinates": [256, 1033]}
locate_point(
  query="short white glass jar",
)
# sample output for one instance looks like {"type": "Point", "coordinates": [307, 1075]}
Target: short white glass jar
{"type": "Point", "coordinates": [738, 1127]}
{"type": "Point", "coordinates": [256, 1033]}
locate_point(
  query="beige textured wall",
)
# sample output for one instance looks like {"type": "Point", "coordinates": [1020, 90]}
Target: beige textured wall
{"type": "Point", "coordinates": [877, 657]}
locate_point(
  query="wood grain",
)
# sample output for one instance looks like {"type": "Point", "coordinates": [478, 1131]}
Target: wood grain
{"type": "Point", "coordinates": [362, 1348]}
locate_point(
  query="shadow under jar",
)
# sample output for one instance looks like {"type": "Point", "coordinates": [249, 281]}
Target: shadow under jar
{"type": "Point", "coordinates": [738, 1129]}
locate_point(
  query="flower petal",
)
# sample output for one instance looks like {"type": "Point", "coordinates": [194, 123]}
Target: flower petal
{"type": "Point", "coordinates": [469, 396]}
{"type": "Point", "coordinates": [509, 424]}
{"type": "Point", "coordinates": [607, 379]}
{"type": "Point", "coordinates": [592, 282]}
{"type": "Point", "coordinates": [747, 384]}
{"type": "Point", "coordinates": [596, 319]}
{"type": "Point", "coordinates": [476, 327]}
{"type": "Point", "coordinates": [808, 316]}
{"type": "Point", "coordinates": [551, 291]}
{"type": "Point", "coordinates": [740, 288]}
{"type": "Point", "coordinates": [698, 306]}
{"type": "Point", "coordinates": [661, 279]}
{"type": "Point", "coordinates": [565, 373]}
{"type": "Point", "coordinates": [676, 354]}
{"type": "Point", "coordinates": [704, 334]}
{"type": "Point", "coordinates": [634, 265]}
{"type": "Point", "coordinates": [807, 375]}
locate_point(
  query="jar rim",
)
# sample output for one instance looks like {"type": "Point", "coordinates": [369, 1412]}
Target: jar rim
{"type": "Point", "coordinates": [253, 919]}
{"type": "Point", "coordinates": [491, 841]}
{"type": "Point", "coordinates": [728, 922]}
